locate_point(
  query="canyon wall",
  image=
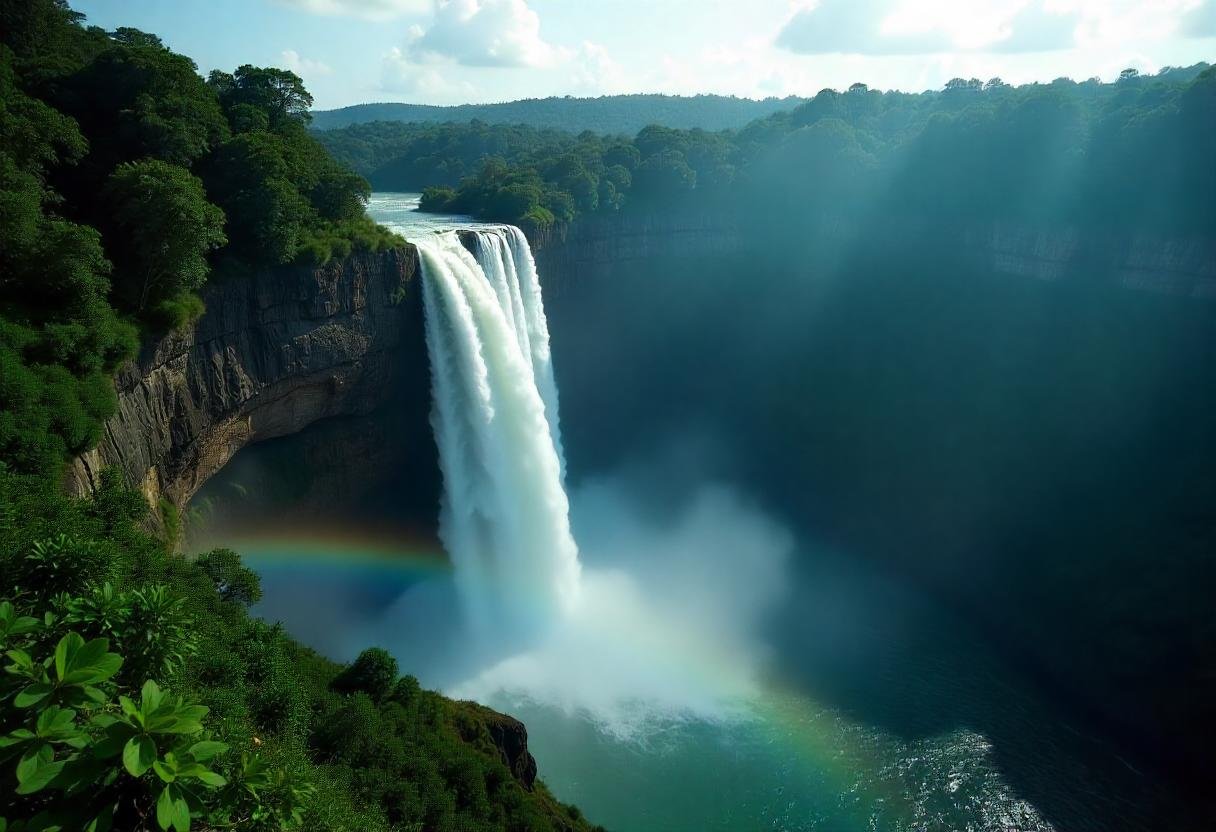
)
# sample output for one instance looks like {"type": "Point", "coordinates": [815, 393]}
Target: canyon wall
{"type": "Point", "coordinates": [599, 246]}
{"type": "Point", "coordinates": [283, 349]}
{"type": "Point", "coordinates": [274, 353]}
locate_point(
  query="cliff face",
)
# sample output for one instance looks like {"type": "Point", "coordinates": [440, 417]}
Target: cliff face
{"type": "Point", "coordinates": [602, 246]}
{"type": "Point", "coordinates": [286, 348]}
{"type": "Point", "coordinates": [273, 354]}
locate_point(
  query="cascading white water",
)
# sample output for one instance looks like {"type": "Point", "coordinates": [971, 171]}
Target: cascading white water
{"type": "Point", "coordinates": [505, 515]}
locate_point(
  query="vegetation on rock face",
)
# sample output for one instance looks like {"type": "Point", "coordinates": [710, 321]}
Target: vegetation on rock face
{"type": "Point", "coordinates": [138, 693]}
{"type": "Point", "coordinates": [1130, 154]}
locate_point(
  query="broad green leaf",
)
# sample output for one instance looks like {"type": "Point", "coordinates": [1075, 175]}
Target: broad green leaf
{"type": "Point", "coordinates": [175, 724]}
{"type": "Point", "coordinates": [150, 697]}
{"type": "Point", "coordinates": [113, 740]}
{"type": "Point", "coordinates": [211, 778]}
{"type": "Point", "coordinates": [128, 708]}
{"type": "Point", "coordinates": [65, 651]}
{"type": "Point", "coordinates": [54, 721]}
{"type": "Point", "coordinates": [31, 695]}
{"type": "Point", "coordinates": [24, 624]}
{"type": "Point", "coordinates": [206, 749]}
{"type": "Point", "coordinates": [32, 760]}
{"type": "Point", "coordinates": [164, 808]}
{"type": "Point", "coordinates": [181, 812]}
{"type": "Point", "coordinates": [138, 755]}
{"type": "Point", "coordinates": [94, 695]}
{"type": "Point", "coordinates": [89, 654]}
{"type": "Point", "coordinates": [164, 772]}
{"type": "Point", "coordinates": [22, 663]}
{"type": "Point", "coordinates": [97, 670]}
{"type": "Point", "coordinates": [40, 778]}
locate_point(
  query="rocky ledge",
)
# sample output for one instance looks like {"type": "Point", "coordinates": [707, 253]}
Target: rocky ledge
{"type": "Point", "coordinates": [274, 353]}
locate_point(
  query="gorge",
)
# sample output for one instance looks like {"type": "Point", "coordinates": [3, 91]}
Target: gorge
{"type": "Point", "coordinates": [590, 290]}
{"type": "Point", "coordinates": [878, 495]}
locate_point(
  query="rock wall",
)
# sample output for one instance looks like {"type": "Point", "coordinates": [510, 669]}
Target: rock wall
{"type": "Point", "coordinates": [273, 354]}
{"type": "Point", "coordinates": [596, 247]}
{"type": "Point", "coordinates": [288, 347]}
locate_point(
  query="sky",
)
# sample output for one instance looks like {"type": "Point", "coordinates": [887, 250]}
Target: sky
{"type": "Point", "coordinates": [473, 51]}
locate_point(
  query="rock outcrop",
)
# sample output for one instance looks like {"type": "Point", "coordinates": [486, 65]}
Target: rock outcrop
{"type": "Point", "coordinates": [274, 353]}
{"type": "Point", "coordinates": [510, 737]}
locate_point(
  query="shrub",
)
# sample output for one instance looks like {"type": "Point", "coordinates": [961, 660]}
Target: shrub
{"type": "Point", "coordinates": [373, 672]}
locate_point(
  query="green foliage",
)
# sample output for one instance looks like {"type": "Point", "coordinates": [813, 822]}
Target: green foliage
{"type": "Point", "coordinates": [313, 745]}
{"type": "Point", "coordinates": [64, 563]}
{"type": "Point", "coordinates": [59, 339]}
{"type": "Point", "coordinates": [171, 520]}
{"type": "Point", "coordinates": [113, 156]}
{"type": "Point", "coordinates": [235, 583]}
{"type": "Point", "coordinates": [85, 755]}
{"type": "Point", "coordinates": [373, 672]}
{"type": "Point", "coordinates": [1132, 154]}
{"type": "Point", "coordinates": [607, 114]}
{"type": "Point", "coordinates": [278, 93]}
{"type": "Point", "coordinates": [167, 227]}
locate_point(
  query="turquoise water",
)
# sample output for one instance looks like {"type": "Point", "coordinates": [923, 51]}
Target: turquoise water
{"type": "Point", "coordinates": [782, 760]}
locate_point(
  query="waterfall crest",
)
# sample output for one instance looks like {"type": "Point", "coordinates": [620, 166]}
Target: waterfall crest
{"type": "Point", "coordinates": [504, 517]}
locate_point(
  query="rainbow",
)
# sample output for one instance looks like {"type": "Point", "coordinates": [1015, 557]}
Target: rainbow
{"type": "Point", "coordinates": [326, 547]}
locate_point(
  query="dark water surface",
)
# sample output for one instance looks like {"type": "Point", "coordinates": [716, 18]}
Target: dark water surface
{"type": "Point", "coordinates": [784, 760]}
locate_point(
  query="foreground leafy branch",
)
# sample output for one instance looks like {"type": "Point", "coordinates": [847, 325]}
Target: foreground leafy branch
{"type": "Point", "coordinates": [83, 755]}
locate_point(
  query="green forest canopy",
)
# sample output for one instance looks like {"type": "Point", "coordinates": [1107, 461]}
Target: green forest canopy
{"type": "Point", "coordinates": [605, 114]}
{"type": "Point", "coordinates": [1132, 153]}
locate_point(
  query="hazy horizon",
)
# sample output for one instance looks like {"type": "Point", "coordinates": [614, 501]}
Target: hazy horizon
{"type": "Point", "coordinates": [448, 52]}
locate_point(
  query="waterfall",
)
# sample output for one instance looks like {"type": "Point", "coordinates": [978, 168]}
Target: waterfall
{"type": "Point", "coordinates": [504, 517]}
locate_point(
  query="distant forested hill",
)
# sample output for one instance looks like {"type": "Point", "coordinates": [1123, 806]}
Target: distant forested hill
{"type": "Point", "coordinates": [1133, 154]}
{"type": "Point", "coordinates": [607, 114]}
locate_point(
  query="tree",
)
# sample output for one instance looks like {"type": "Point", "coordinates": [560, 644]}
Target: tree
{"type": "Point", "coordinates": [168, 227]}
{"type": "Point", "coordinates": [267, 215]}
{"type": "Point", "coordinates": [233, 581]}
{"type": "Point", "coordinates": [373, 672]}
{"type": "Point", "coordinates": [280, 93]}
{"type": "Point", "coordinates": [666, 174]}
{"type": "Point", "coordinates": [139, 101]}
{"type": "Point", "coordinates": [129, 36]}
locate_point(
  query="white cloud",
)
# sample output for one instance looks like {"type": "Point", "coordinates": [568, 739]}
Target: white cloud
{"type": "Point", "coordinates": [593, 71]}
{"type": "Point", "coordinates": [365, 9]}
{"type": "Point", "coordinates": [422, 84]}
{"type": "Point", "coordinates": [903, 27]}
{"type": "Point", "coordinates": [496, 33]}
{"type": "Point", "coordinates": [304, 67]}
